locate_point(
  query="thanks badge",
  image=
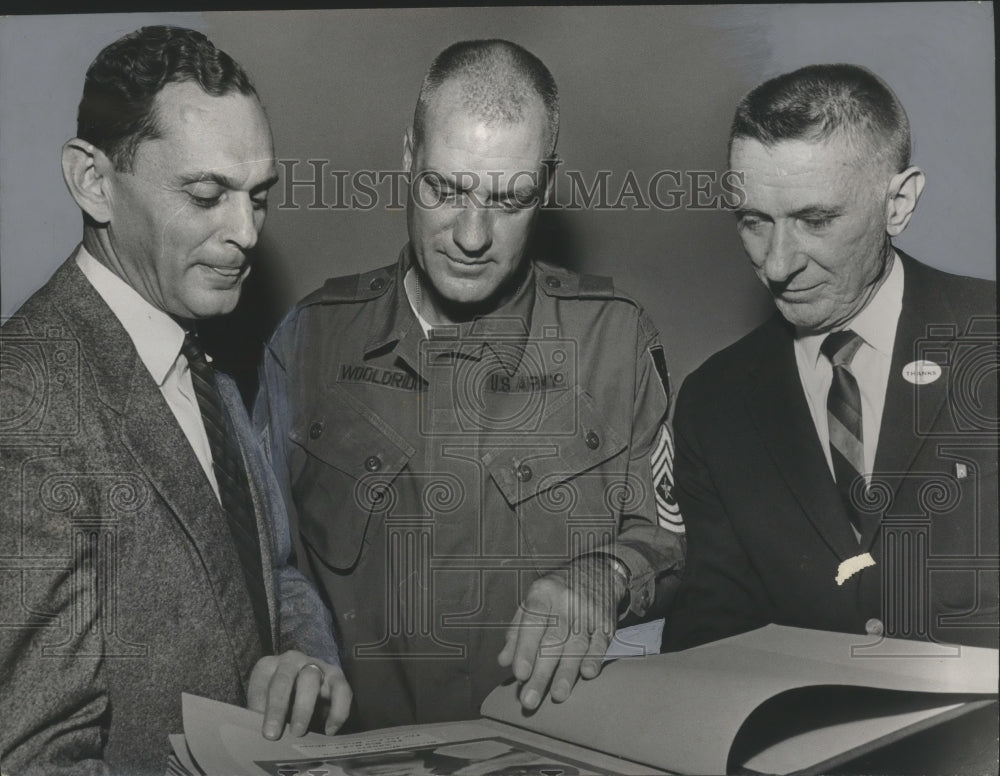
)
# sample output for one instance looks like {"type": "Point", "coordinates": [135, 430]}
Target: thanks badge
{"type": "Point", "coordinates": [921, 372]}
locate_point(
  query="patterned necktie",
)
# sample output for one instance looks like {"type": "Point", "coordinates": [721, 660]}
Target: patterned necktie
{"type": "Point", "coordinates": [231, 477]}
{"type": "Point", "coordinates": [843, 413]}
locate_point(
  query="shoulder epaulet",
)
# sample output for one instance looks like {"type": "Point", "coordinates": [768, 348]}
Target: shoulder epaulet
{"type": "Point", "coordinates": [565, 284]}
{"type": "Point", "coordinates": [353, 288]}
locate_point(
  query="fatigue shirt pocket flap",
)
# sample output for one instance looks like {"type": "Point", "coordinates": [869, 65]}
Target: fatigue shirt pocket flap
{"type": "Point", "coordinates": [581, 439]}
{"type": "Point", "coordinates": [360, 455]}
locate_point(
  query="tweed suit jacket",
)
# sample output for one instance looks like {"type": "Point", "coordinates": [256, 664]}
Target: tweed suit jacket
{"type": "Point", "coordinates": [767, 527]}
{"type": "Point", "coordinates": [120, 587]}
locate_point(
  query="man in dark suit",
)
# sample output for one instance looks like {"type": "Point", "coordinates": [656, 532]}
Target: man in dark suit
{"type": "Point", "coordinates": [837, 467]}
{"type": "Point", "coordinates": [144, 547]}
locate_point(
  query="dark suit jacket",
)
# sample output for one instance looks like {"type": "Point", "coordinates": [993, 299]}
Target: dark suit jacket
{"type": "Point", "coordinates": [767, 528]}
{"type": "Point", "coordinates": [119, 584]}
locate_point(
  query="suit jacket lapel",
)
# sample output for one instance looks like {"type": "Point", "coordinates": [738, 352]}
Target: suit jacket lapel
{"type": "Point", "coordinates": [909, 407]}
{"type": "Point", "coordinates": [777, 405]}
{"type": "Point", "coordinates": [151, 434]}
{"type": "Point", "coordinates": [256, 478]}
{"type": "Point", "coordinates": [105, 348]}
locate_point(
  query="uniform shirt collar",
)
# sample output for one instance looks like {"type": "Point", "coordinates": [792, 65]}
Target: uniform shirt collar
{"type": "Point", "coordinates": [504, 331]}
{"type": "Point", "coordinates": [157, 337]}
{"type": "Point", "coordinates": [875, 324]}
{"type": "Point", "coordinates": [395, 317]}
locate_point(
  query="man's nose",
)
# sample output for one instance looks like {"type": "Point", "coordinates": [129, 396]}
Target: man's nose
{"type": "Point", "coordinates": [242, 226]}
{"type": "Point", "coordinates": [473, 230]}
{"type": "Point", "coordinates": [784, 257]}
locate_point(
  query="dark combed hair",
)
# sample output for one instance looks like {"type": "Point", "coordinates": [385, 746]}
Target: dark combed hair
{"type": "Point", "coordinates": [498, 78]}
{"type": "Point", "coordinates": [818, 101]}
{"type": "Point", "coordinates": [117, 110]}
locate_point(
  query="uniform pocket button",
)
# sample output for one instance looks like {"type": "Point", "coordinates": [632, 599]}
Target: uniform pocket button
{"type": "Point", "coordinates": [552, 282]}
{"type": "Point", "coordinates": [377, 284]}
{"type": "Point", "coordinates": [373, 463]}
{"type": "Point", "coordinates": [524, 472]}
{"type": "Point", "coordinates": [593, 441]}
{"type": "Point", "coordinates": [316, 430]}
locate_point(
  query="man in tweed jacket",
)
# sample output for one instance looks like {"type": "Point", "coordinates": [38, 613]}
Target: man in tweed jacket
{"type": "Point", "coordinates": [125, 579]}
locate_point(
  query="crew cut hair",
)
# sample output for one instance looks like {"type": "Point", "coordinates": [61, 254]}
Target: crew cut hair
{"type": "Point", "coordinates": [498, 78]}
{"type": "Point", "coordinates": [818, 101]}
{"type": "Point", "coordinates": [118, 108]}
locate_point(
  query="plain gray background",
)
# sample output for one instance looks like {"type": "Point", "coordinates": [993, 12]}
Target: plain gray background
{"type": "Point", "coordinates": [643, 89]}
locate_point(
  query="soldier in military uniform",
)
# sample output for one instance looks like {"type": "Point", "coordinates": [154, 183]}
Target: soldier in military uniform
{"type": "Point", "coordinates": [472, 444]}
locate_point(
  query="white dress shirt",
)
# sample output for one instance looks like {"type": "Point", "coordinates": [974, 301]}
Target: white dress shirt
{"type": "Point", "coordinates": [157, 338]}
{"type": "Point", "coordinates": [876, 325]}
{"type": "Point", "coordinates": [412, 288]}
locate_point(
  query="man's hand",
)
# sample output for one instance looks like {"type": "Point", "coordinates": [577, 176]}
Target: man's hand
{"type": "Point", "coordinates": [296, 683]}
{"type": "Point", "coordinates": [562, 629]}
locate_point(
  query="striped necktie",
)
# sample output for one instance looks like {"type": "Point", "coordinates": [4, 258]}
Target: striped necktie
{"type": "Point", "coordinates": [843, 412]}
{"type": "Point", "coordinates": [234, 491]}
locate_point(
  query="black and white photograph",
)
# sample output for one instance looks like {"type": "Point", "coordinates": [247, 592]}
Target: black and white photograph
{"type": "Point", "coordinates": [615, 381]}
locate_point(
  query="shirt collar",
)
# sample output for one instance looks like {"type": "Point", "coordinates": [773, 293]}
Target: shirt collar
{"type": "Point", "coordinates": [875, 324]}
{"type": "Point", "coordinates": [157, 337]}
{"type": "Point", "coordinates": [504, 331]}
{"type": "Point", "coordinates": [396, 315]}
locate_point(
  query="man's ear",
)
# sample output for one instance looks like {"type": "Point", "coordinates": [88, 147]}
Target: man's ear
{"type": "Point", "coordinates": [904, 191]}
{"type": "Point", "coordinates": [408, 150]}
{"type": "Point", "coordinates": [86, 169]}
